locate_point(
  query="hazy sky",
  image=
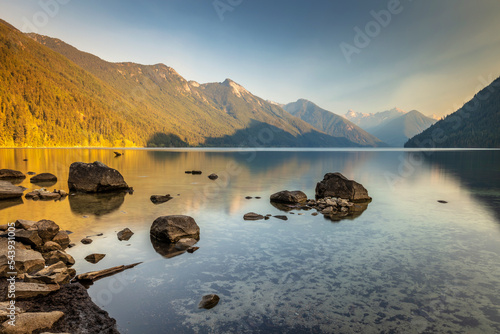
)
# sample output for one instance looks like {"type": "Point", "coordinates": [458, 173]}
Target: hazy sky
{"type": "Point", "coordinates": [420, 54]}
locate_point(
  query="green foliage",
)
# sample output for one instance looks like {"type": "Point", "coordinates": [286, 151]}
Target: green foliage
{"type": "Point", "coordinates": [475, 125]}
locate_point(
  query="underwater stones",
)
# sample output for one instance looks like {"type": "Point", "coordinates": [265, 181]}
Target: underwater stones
{"type": "Point", "coordinates": [337, 185]}
{"type": "Point", "coordinates": [94, 258]}
{"type": "Point", "coordinates": [253, 216]}
{"type": "Point", "coordinates": [158, 199]}
{"type": "Point", "coordinates": [209, 301]}
{"type": "Point", "coordinates": [86, 241]}
{"type": "Point", "coordinates": [43, 177]}
{"type": "Point", "coordinates": [125, 234]}
{"type": "Point", "coordinates": [286, 196]}
{"type": "Point", "coordinates": [10, 174]}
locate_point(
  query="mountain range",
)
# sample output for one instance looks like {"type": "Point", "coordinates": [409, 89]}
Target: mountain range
{"type": "Point", "coordinates": [53, 94]}
{"type": "Point", "coordinates": [331, 123]}
{"type": "Point", "coordinates": [394, 126]}
{"type": "Point", "coordinates": [475, 125]}
{"type": "Point", "coordinates": [60, 96]}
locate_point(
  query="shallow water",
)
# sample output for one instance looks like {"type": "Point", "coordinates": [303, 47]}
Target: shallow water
{"type": "Point", "coordinates": [408, 264]}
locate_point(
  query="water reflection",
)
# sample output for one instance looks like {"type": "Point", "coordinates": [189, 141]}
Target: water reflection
{"type": "Point", "coordinates": [8, 203]}
{"type": "Point", "coordinates": [170, 250]}
{"type": "Point", "coordinates": [96, 204]}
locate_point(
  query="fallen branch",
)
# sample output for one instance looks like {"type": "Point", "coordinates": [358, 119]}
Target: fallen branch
{"type": "Point", "coordinates": [95, 275]}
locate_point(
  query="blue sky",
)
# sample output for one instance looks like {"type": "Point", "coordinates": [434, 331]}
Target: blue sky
{"type": "Point", "coordinates": [426, 55]}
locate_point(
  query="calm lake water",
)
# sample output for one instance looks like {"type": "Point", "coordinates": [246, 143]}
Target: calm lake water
{"type": "Point", "coordinates": [407, 264]}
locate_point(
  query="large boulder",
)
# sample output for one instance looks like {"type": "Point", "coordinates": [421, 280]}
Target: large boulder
{"type": "Point", "coordinates": [337, 185]}
{"type": "Point", "coordinates": [94, 178]}
{"type": "Point", "coordinates": [286, 196]}
{"type": "Point", "coordinates": [8, 190]}
{"type": "Point", "coordinates": [10, 174]}
{"type": "Point", "coordinates": [173, 228]}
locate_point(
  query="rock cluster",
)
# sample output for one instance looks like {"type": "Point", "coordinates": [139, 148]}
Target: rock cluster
{"type": "Point", "coordinates": [38, 244]}
{"type": "Point", "coordinates": [45, 195]}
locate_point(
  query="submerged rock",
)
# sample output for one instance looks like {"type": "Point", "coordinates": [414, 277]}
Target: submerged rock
{"type": "Point", "coordinates": [9, 174]}
{"type": "Point", "coordinates": [94, 258]}
{"type": "Point", "coordinates": [337, 185]}
{"type": "Point", "coordinates": [8, 190]}
{"type": "Point", "coordinates": [158, 199]}
{"type": "Point", "coordinates": [173, 228]}
{"type": "Point", "coordinates": [286, 196]}
{"type": "Point", "coordinates": [209, 301]}
{"type": "Point", "coordinates": [86, 241]}
{"type": "Point", "coordinates": [253, 216]}
{"type": "Point", "coordinates": [43, 177]}
{"type": "Point", "coordinates": [94, 178]}
{"type": "Point", "coordinates": [281, 217]}
{"type": "Point", "coordinates": [125, 234]}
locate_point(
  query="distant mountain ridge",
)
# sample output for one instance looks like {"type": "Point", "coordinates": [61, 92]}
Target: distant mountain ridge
{"type": "Point", "coordinates": [331, 123]}
{"type": "Point", "coordinates": [60, 96]}
{"type": "Point", "coordinates": [475, 125]}
{"type": "Point", "coordinates": [372, 120]}
{"type": "Point", "coordinates": [397, 131]}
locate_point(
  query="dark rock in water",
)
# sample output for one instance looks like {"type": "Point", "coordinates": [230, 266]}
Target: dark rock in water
{"type": "Point", "coordinates": [25, 159]}
{"type": "Point", "coordinates": [257, 197]}
{"type": "Point", "coordinates": [213, 176]}
{"type": "Point", "coordinates": [86, 241]}
{"type": "Point", "coordinates": [158, 199]}
{"type": "Point", "coordinates": [248, 197]}
{"type": "Point", "coordinates": [7, 174]}
{"type": "Point", "coordinates": [31, 173]}
{"type": "Point", "coordinates": [117, 154]}
{"type": "Point", "coordinates": [192, 249]}
{"type": "Point", "coordinates": [209, 301]}
{"type": "Point", "coordinates": [94, 258]}
{"type": "Point", "coordinates": [43, 177]}
{"type": "Point", "coordinates": [286, 196]}
{"type": "Point", "coordinates": [173, 228]}
{"type": "Point", "coordinates": [266, 217]}
{"type": "Point", "coordinates": [125, 234]}
{"type": "Point", "coordinates": [47, 229]}
{"type": "Point", "coordinates": [281, 217]}
{"type": "Point", "coordinates": [337, 185]}
{"type": "Point", "coordinates": [8, 190]}
{"type": "Point", "coordinates": [94, 178]}
{"type": "Point", "coordinates": [196, 172]}
{"type": "Point", "coordinates": [188, 172]}
{"type": "Point", "coordinates": [442, 202]}
{"type": "Point", "coordinates": [253, 216]}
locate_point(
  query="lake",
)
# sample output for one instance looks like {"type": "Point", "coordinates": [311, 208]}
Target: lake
{"type": "Point", "coordinates": [407, 264]}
